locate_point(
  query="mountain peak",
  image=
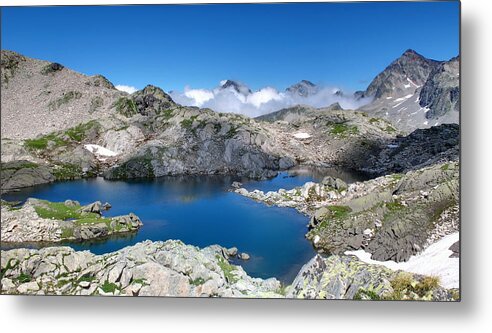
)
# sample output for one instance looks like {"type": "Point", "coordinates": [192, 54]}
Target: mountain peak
{"type": "Point", "coordinates": [303, 88]}
{"type": "Point", "coordinates": [236, 86]}
{"type": "Point", "coordinates": [409, 52]}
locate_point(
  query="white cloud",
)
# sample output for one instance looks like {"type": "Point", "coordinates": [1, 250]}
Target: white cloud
{"type": "Point", "coordinates": [128, 89]}
{"type": "Point", "coordinates": [199, 96]}
{"type": "Point", "coordinates": [260, 102]}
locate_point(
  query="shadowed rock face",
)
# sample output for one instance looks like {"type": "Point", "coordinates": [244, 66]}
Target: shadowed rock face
{"type": "Point", "coordinates": [441, 92]}
{"type": "Point", "coordinates": [423, 147]}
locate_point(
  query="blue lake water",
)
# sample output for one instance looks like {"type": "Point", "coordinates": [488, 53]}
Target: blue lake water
{"type": "Point", "coordinates": [199, 210]}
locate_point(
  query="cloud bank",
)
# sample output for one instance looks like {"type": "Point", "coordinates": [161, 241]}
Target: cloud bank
{"type": "Point", "coordinates": [128, 89]}
{"type": "Point", "coordinates": [263, 101]}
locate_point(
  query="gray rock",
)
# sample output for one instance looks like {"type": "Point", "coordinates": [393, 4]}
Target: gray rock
{"type": "Point", "coordinates": [243, 256]}
{"type": "Point", "coordinates": [335, 183]}
{"type": "Point", "coordinates": [232, 251]}
{"type": "Point", "coordinates": [168, 268]}
{"type": "Point", "coordinates": [95, 207]}
{"type": "Point", "coordinates": [72, 203]}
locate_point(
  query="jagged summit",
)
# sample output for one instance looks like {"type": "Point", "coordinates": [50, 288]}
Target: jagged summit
{"type": "Point", "coordinates": [415, 92]}
{"type": "Point", "coordinates": [410, 67]}
{"type": "Point", "coordinates": [303, 88]}
{"type": "Point", "coordinates": [236, 86]}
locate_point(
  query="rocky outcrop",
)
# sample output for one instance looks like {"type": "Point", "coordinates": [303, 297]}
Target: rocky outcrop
{"type": "Point", "coordinates": [21, 173]}
{"type": "Point", "coordinates": [168, 268]}
{"type": "Point", "coordinates": [192, 141]}
{"type": "Point", "coordinates": [345, 277]}
{"type": "Point", "coordinates": [44, 221]}
{"type": "Point", "coordinates": [392, 217]}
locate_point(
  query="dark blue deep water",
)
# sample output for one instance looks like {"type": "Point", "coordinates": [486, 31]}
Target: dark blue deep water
{"type": "Point", "coordinates": [199, 210]}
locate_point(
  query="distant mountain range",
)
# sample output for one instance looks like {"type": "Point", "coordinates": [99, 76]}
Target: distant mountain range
{"type": "Point", "coordinates": [411, 92]}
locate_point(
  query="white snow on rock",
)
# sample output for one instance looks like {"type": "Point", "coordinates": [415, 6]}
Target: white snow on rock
{"type": "Point", "coordinates": [100, 151]}
{"type": "Point", "coordinates": [433, 261]}
{"type": "Point", "coordinates": [416, 86]}
{"type": "Point", "coordinates": [403, 98]}
{"type": "Point", "coordinates": [302, 135]}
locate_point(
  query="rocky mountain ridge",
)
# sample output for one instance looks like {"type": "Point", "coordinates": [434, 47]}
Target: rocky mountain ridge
{"type": "Point", "coordinates": [415, 92]}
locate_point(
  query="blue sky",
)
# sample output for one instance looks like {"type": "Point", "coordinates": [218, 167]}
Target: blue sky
{"type": "Point", "coordinates": [344, 44]}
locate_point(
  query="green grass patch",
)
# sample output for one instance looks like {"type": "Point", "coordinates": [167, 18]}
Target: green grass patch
{"type": "Point", "coordinates": [18, 165]}
{"type": "Point", "coordinates": [342, 129]}
{"type": "Point", "coordinates": [282, 290]}
{"type": "Point", "coordinates": [404, 285]}
{"type": "Point", "coordinates": [187, 123]}
{"type": "Point", "coordinates": [109, 287]}
{"type": "Point", "coordinates": [66, 233]}
{"type": "Point", "coordinates": [167, 114]}
{"type": "Point", "coordinates": [227, 269]}
{"type": "Point", "coordinates": [41, 143]}
{"type": "Point", "coordinates": [339, 212]}
{"type": "Point", "coordinates": [66, 171]}
{"type": "Point", "coordinates": [79, 132]}
{"type": "Point", "coordinates": [231, 132]}
{"type": "Point", "coordinates": [389, 129]}
{"type": "Point", "coordinates": [445, 167]}
{"type": "Point", "coordinates": [65, 99]}
{"type": "Point", "coordinates": [197, 282]}
{"type": "Point", "coordinates": [126, 107]}
{"type": "Point", "coordinates": [396, 176]}
{"type": "Point", "coordinates": [86, 278]}
{"type": "Point", "coordinates": [61, 283]}
{"type": "Point", "coordinates": [59, 211]}
{"type": "Point", "coordinates": [394, 206]}
{"type": "Point", "coordinates": [363, 294]}
{"type": "Point", "coordinates": [23, 278]}
{"type": "Point", "coordinates": [11, 264]}
{"type": "Point", "coordinates": [139, 281]}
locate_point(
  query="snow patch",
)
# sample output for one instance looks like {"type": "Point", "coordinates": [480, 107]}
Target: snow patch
{"type": "Point", "coordinates": [416, 86]}
{"type": "Point", "coordinates": [433, 261]}
{"type": "Point", "coordinates": [302, 135]}
{"type": "Point", "coordinates": [389, 97]}
{"type": "Point", "coordinates": [100, 151]}
{"type": "Point", "coordinates": [403, 98]}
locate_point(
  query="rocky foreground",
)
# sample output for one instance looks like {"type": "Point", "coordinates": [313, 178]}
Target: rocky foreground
{"type": "Point", "coordinates": [172, 268]}
{"type": "Point", "coordinates": [44, 221]}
